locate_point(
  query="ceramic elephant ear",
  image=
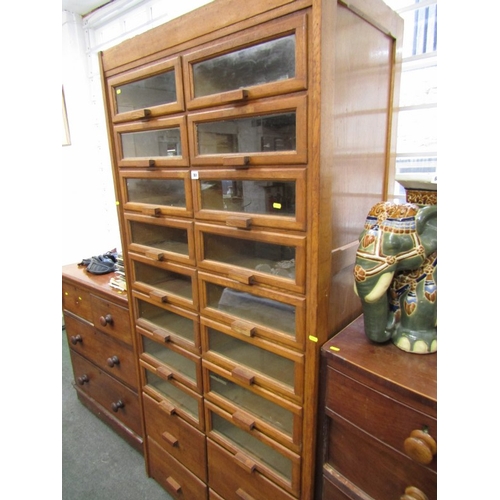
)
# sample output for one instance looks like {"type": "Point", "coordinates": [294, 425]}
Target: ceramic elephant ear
{"type": "Point", "coordinates": [396, 275]}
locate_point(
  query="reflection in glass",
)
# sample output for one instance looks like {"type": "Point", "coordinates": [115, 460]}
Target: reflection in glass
{"type": "Point", "coordinates": [166, 192]}
{"type": "Point", "coordinates": [170, 239]}
{"type": "Point", "coordinates": [176, 361]}
{"type": "Point", "coordinates": [257, 359]}
{"type": "Point", "coordinates": [168, 281]}
{"type": "Point", "coordinates": [166, 320]}
{"type": "Point", "coordinates": [270, 61]}
{"type": "Point", "coordinates": [146, 93]}
{"type": "Point", "coordinates": [258, 197]}
{"type": "Point", "coordinates": [262, 134]}
{"type": "Point", "coordinates": [258, 310]}
{"type": "Point", "coordinates": [267, 258]}
{"type": "Point", "coordinates": [150, 143]}
{"type": "Point", "coordinates": [260, 451]}
{"type": "Point", "coordinates": [179, 398]}
{"type": "Point", "coordinates": [263, 408]}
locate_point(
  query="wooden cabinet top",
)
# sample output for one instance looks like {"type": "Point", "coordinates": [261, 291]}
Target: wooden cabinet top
{"type": "Point", "coordinates": [98, 284]}
{"type": "Point", "coordinates": [410, 378]}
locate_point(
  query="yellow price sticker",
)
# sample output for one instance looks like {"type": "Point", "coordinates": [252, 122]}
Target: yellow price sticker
{"type": "Point", "coordinates": [333, 348]}
{"type": "Point", "coordinates": [313, 338]}
{"type": "Point", "coordinates": [118, 91]}
{"type": "Point", "coordinates": [277, 206]}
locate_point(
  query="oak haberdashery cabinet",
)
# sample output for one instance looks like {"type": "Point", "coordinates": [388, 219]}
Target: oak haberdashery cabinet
{"type": "Point", "coordinates": [248, 142]}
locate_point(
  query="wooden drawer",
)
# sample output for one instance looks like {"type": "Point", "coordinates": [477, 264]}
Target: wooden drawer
{"type": "Point", "coordinates": [112, 395]}
{"type": "Point", "coordinates": [174, 435]}
{"type": "Point", "coordinates": [77, 300]}
{"type": "Point", "coordinates": [333, 484]}
{"type": "Point", "coordinates": [111, 355]}
{"type": "Point", "coordinates": [234, 478]}
{"type": "Point", "coordinates": [252, 256]}
{"type": "Point", "coordinates": [173, 476]}
{"type": "Point", "coordinates": [386, 473]}
{"type": "Point", "coordinates": [374, 412]}
{"type": "Point", "coordinates": [111, 319]}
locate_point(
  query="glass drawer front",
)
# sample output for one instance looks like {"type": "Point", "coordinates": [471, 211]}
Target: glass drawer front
{"type": "Point", "coordinates": [262, 452]}
{"type": "Point", "coordinates": [263, 63]}
{"type": "Point", "coordinates": [263, 134]}
{"type": "Point", "coordinates": [153, 317]}
{"type": "Point", "coordinates": [269, 412]}
{"type": "Point", "coordinates": [253, 357]}
{"type": "Point", "coordinates": [151, 143]}
{"type": "Point", "coordinates": [163, 192]}
{"type": "Point", "coordinates": [147, 92]}
{"type": "Point", "coordinates": [174, 360]}
{"type": "Point", "coordinates": [180, 399]}
{"type": "Point", "coordinates": [170, 282]}
{"type": "Point", "coordinates": [173, 240]}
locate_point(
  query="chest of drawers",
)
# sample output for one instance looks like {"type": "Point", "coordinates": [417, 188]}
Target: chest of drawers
{"type": "Point", "coordinates": [379, 422]}
{"type": "Point", "coordinates": [97, 324]}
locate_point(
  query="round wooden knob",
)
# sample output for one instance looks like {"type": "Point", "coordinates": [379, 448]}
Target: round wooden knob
{"type": "Point", "coordinates": [75, 339]}
{"type": "Point", "coordinates": [412, 493]}
{"type": "Point", "coordinates": [112, 361]}
{"type": "Point", "coordinates": [83, 379]}
{"type": "Point", "coordinates": [420, 446]}
{"type": "Point", "coordinates": [106, 320]}
{"type": "Point", "coordinates": [116, 406]}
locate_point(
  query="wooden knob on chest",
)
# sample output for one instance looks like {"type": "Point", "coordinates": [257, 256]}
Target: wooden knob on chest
{"type": "Point", "coordinates": [116, 406]}
{"type": "Point", "coordinates": [106, 320]}
{"type": "Point", "coordinates": [420, 446]}
{"type": "Point", "coordinates": [112, 361]}
{"type": "Point", "coordinates": [82, 380]}
{"type": "Point", "coordinates": [75, 339]}
{"type": "Point", "coordinates": [412, 493]}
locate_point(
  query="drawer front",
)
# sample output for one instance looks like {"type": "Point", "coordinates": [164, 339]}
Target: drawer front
{"type": "Point", "coordinates": [330, 490]}
{"type": "Point", "coordinates": [268, 197]}
{"type": "Point", "coordinates": [232, 479]}
{"type": "Point", "coordinates": [114, 357]}
{"type": "Point", "coordinates": [112, 395]}
{"type": "Point", "coordinates": [174, 435]}
{"type": "Point", "coordinates": [179, 482]}
{"type": "Point", "coordinates": [252, 256]}
{"type": "Point", "coordinates": [77, 300]}
{"type": "Point", "coordinates": [157, 194]}
{"type": "Point", "coordinates": [380, 471]}
{"type": "Point", "coordinates": [111, 319]}
{"type": "Point", "coordinates": [164, 282]}
{"type": "Point", "coordinates": [384, 418]}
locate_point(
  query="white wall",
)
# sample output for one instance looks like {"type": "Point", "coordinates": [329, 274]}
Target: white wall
{"type": "Point", "coordinates": [89, 216]}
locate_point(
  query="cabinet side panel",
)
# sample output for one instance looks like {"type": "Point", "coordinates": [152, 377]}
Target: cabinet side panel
{"type": "Point", "coordinates": [357, 166]}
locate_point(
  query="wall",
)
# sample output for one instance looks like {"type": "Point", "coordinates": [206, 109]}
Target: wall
{"type": "Point", "coordinates": [89, 217]}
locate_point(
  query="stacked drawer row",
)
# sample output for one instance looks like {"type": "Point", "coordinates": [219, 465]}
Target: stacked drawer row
{"type": "Point", "coordinates": [212, 166]}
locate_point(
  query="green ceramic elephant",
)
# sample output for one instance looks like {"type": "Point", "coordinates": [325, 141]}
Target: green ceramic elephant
{"type": "Point", "coordinates": [396, 275]}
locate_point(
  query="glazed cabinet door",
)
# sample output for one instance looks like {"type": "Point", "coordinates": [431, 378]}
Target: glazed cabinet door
{"type": "Point", "coordinates": [257, 63]}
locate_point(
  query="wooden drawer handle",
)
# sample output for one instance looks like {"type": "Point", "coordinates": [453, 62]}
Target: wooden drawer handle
{"type": "Point", "coordinates": [234, 95]}
{"type": "Point", "coordinates": [173, 485]}
{"type": "Point", "coordinates": [158, 296]}
{"type": "Point", "coordinates": [167, 407]}
{"type": "Point", "coordinates": [164, 372]}
{"type": "Point", "coordinates": [243, 375]}
{"type": "Point", "coordinates": [412, 493]}
{"type": "Point", "coordinates": [154, 255]}
{"type": "Point", "coordinates": [117, 405]}
{"type": "Point", "coordinates": [236, 161]}
{"type": "Point", "coordinates": [240, 493]}
{"type": "Point", "coordinates": [106, 320]}
{"type": "Point", "coordinates": [160, 333]}
{"type": "Point", "coordinates": [151, 163]}
{"type": "Point", "coordinates": [243, 420]}
{"type": "Point", "coordinates": [245, 462]}
{"type": "Point", "coordinates": [171, 440]}
{"type": "Point", "coordinates": [420, 446]}
{"type": "Point", "coordinates": [243, 328]}
{"type": "Point", "coordinates": [247, 278]}
{"type": "Point", "coordinates": [113, 361]}
{"type": "Point", "coordinates": [75, 339]}
{"type": "Point", "coordinates": [84, 379]}
{"type": "Point", "coordinates": [152, 211]}
{"type": "Point", "coordinates": [239, 222]}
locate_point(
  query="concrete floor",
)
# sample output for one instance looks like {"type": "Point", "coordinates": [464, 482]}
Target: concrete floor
{"type": "Point", "coordinates": [97, 463]}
